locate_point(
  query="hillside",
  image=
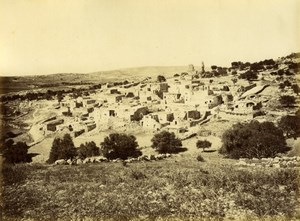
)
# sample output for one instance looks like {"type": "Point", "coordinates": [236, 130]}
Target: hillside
{"type": "Point", "coordinates": [20, 83]}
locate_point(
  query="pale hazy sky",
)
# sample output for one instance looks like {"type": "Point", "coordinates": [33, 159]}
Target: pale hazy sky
{"type": "Point", "coordinates": [55, 36]}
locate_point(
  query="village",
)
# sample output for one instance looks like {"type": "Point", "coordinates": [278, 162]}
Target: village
{"type": "Point", "coordinates": [189, 103]}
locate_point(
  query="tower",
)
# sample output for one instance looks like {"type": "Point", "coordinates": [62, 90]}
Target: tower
{"type": "Point", "coordinates": [203, 68]}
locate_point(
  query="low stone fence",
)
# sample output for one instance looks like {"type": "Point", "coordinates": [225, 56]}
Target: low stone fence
{"type": "Point", "coordinates": [277, 162]}
{"type": "Point", "coordinates": [100, 159]}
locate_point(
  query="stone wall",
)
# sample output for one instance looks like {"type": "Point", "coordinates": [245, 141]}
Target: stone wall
{"type": "Point", "coordinates": [277, 162]}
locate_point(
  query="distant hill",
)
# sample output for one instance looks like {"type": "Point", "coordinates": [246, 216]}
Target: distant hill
{"type": "Point", "coordinates": [19, 83]}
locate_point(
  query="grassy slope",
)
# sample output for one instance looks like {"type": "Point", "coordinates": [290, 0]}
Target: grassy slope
{"type": "Point", "coordinates": [165, 189]}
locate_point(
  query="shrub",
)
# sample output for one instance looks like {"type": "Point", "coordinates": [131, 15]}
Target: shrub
{"type": "Point", "coordinates": [290, 125]}
{"type": "Point", "coordinates": [203, 144]}
{"type": "Point", "coordinates": [296, 88]}
{"type": "Point", "coordinates": [118, 145]}
{"type": "Point", "coordinates": [15, 153]}
{"type": "Point", "coordinates": [62, 149]}
{"type": "Point", "coordinates": [287, 100]}
{"type": "Point", "coordinates": [249, 75]}
{"type": "Point", "coordinates": [166, 142]}
{"type": "Point", "coordinates": [88, 149]}
{"type": "Point", "coordinates": [253, 139]}
{"type": "Point", "coordinates": [200, 158]}
{"type": "Point", "coordinates": [161, 78]}
{"type": "Point", "coordinates": [138, 175]}
{"type": "Point", "coordinates": [13, 174]}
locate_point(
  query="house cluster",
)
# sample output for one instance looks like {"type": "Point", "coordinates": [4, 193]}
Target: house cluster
{"type": "Point", "coordinates": [177, 104]}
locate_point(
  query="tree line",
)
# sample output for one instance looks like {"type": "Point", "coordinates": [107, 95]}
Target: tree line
{"type": "Point", "coordinates": [242, 140]}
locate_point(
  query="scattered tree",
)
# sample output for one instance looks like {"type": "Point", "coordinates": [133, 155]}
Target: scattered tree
{"type": "Point", "coordinates": [254, 139]}
{"type": "Point", "coordinates": [287, 83]}
{"type": "Point", "coordinates": [62, 149]}
{"type": "Point", "coordinates": [249, 75]}
{"type": "Point", "coordinates": [203, 144]}
{"type": "Point", "coordinates": [15, 153]}
{"type": "Point", "coordinates": [118, 145]}
{"type": "Point", "coordinates": [166, 142]}
{"type": "Point", "coordinates": [161, 78]}
{"type": "Point", "coordinates": [200, 158]}
{"type": "Point", "coordinates": [287, 100]}
{"type": "Point", "coordinates": [290, 125]}
{"type": "Point", "coordinates": [88, 149]}
{"type": "Point", "coordinates": [234, 80]}
{"type": "Point", "coordinates": [296, 88]}
{"type": "Point", "coordinates": [214, 67]}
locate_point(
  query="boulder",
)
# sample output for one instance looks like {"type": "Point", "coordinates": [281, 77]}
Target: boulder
{"type": "Point", "coordinates": [241, 163]}
{"type": "Point", "coordinates": [79, 161]}
{"type": "Point", "coordinates": [152, 157]}
{"type": "Point", "coordinates": [86, 160]}
{"type": "Point", "coordinates": [61, 162]}
{"type": "Point", "coordinates": [276, 159]}
{"type": "Point", "coordinates": [276, 165]}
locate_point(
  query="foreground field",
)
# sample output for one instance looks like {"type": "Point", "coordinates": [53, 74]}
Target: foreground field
{"type": "Point", "coordinates": [160, 190]}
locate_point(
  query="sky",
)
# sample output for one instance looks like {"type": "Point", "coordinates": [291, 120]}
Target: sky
{"type": "Point", "coordinates": [81, 36]}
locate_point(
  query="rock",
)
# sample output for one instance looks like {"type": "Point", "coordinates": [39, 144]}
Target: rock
{"type": "Point", "coordinates": [140, 158]}
{"type": "Point", "coordinates": [298, 159]}
{"type": "Point", "coordinates": [276, 165]}
{"type": "Point", "coordinates": [128, 160]}
{"type": "Point", "coordinates": [79, 161]}
{"type": "Point", "coordinates": [152, 157]}
{"type": "Point", "coordinates": [69, 161]}
{"type": "Point", "coordinates": [102, 159]}
{"type": "Point", "coordinates": [276, 159]}
{"type": "Point", "coordinates": [291, 163]}
{"type": "Point", "coordinates": [241, 163]}
{"type": "Point", "coordinates": [286, 158]}
{"type": "Point", "coordinates": [61, 162]}
{"type": "Point", "coordinates": [86, 160]}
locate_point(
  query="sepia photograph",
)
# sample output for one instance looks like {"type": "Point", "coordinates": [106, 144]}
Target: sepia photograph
{"type": "Point", "coordinates": [140, 110]}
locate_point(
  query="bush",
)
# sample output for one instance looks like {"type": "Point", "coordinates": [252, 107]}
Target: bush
{"type": "Point", "coordinates": [290, 125]}
{"type": "Point", "coordinates": [15, 153]}
{"type": "Point", "coordinates": [88, 149]}
{"type": "Point", "coordinates": [253, 139]}
{"type": "Point", "coordinates": [287, 100]}
{"type": "Point", "coordinates": [62, 149]}
{"type": "Point", "coordinates": [249, 75]}
{"type": "Point", "coordinates": [200, 158]}
{"type": "Point", "coordinates": [166, 142]}
{"type": "Point", "coordinates": [161, 78]}
{"type": "Point", "coordinates": [13, 174]}
{"type": "Point", "coordinates": [296, 88]}
{"type": "Point", "coordinates": [118, 145]}
{"type": "Point", "coordinates": [203, 144]}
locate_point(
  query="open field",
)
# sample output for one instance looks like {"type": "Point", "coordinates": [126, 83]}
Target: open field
{"type": "Point", "coordinates": [169, 189]}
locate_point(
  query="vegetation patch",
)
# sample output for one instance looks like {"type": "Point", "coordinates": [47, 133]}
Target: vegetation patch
{"type": "Point", "coordinates": [162, 190]}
